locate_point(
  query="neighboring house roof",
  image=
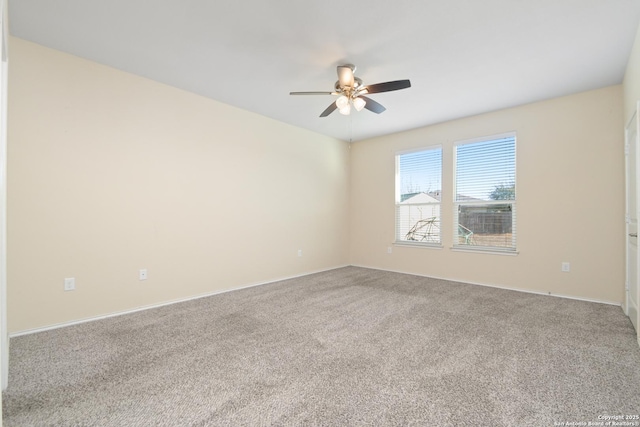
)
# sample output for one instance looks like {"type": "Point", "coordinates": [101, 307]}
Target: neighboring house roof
{"type": "Point", "coordinates": [406, 196]}
{"type": "Point", "coordinates": [433, 197]}
{"type": "Point", "coordinates": [463, 198]}
{"type": "Point", "coordinates": [418, 198]}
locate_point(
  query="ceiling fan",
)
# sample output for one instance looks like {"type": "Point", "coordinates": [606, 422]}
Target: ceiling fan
{"type": "Point", "coordinates": [350, 91]}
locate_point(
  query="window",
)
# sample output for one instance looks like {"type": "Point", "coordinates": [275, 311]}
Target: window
{"type": "Point", "coordinates": [485, 194]}
{"type": "Point", "coordinates": [418, 189]}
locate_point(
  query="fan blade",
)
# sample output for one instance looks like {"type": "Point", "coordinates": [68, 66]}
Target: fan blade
{"type": "Point", "coordinates": [312, 93]}
{"type": "Point", "coordinates": [330, 109]}
{"type": "Point", "coordinates": [372, 105]}
{"type": "Point", "coordinates": [345, 75]}
{"type": "Point", "coordinates": [387, 86]}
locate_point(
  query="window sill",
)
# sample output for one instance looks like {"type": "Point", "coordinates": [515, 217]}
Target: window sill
{"type": "Point", "coordinates": [485, 251]}
{"type": "Point", "coordinates": [419, 245]}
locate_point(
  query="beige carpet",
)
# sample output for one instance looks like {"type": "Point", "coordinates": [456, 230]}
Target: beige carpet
{"type": "Point", "coordinates": [347, 347]}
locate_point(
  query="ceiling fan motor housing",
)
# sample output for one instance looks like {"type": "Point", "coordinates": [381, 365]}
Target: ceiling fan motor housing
{"type": "Point", "coordinates": [349, 91]}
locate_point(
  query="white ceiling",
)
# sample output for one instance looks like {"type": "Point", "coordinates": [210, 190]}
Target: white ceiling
{"type": "Point", "coordinates": [463, 57]}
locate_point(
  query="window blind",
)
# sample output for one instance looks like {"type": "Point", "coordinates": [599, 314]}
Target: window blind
{"type": "Point", "coordinates": [418, 196]}
{"type": "Point", "coordinates": [485, 194]}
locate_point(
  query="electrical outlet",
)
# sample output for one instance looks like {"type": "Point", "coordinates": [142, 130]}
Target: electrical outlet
{"type": "Point", "coordinates": [143, 274]}
{"type": "Point", "coordinates": [566, 267]}
{"type": "Point", "coordinates": [70, 284]}
{"type": "Point", "coordinates": [389, 249]}
{"type": "Point", "coordinates": [299, 252]}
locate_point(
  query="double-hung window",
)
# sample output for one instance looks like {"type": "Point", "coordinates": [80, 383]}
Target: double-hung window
{"type": "Point", "coordinates": [418, 197]}
{"type": "Point", "coordinates": [485, 194]}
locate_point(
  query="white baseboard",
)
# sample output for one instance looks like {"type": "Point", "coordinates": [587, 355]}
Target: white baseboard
{"type": "Point", "coordinates": [162, 304]}
{"type": "Point", "coordinates": [496, 286]}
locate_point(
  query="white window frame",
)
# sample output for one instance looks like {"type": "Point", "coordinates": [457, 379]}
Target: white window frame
{"type": "Point", "coordinates": [457, 204]}
{"type": "Point", "coordinates": [399, 240]}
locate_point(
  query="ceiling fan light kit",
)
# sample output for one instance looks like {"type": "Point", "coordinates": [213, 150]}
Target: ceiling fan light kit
{"type": "Point", "coordinates": [342, 102]}
{"type": "Point", "coordinates": [359, 103]}
{"type": "Point", "coordinates": [350, 92]}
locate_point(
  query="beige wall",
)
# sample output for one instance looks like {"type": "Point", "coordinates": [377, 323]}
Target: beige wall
{"type": "Point", "coordinates": [570, 191]}
{"type": "Point", "coordinates": [110, 173]}
{"type": "Point", "coordinates": [632, 80]}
